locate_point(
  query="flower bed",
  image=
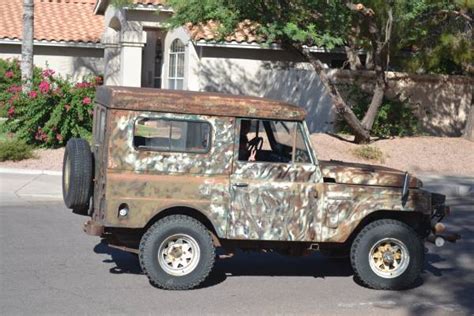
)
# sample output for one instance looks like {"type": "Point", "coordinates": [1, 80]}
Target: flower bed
{"type": "Point", "coordinates": [55, 110]}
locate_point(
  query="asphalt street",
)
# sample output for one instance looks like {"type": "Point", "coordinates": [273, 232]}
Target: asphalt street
{"type": "Point", "coordinates": [49, 266]}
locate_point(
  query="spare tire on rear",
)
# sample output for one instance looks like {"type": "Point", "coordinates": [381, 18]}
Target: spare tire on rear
{"type": "Point", "coordinates": [77, 175]}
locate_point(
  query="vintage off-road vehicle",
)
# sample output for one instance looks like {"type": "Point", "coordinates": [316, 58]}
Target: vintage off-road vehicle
{"type": "Point", "coordinates": [172, 175]}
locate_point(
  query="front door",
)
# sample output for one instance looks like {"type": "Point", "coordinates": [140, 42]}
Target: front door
{"type": "Point", "coordinates": [274, 184]}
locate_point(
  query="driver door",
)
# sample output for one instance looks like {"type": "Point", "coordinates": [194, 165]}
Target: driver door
{"type": "Point", "coordinates": [274, 197]}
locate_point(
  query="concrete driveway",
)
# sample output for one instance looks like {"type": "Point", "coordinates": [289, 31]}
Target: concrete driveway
{"type": "Point", "coordinates": [49, 266]}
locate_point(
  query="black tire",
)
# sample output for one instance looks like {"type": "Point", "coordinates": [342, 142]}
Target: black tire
{"type": "Point", "coordinates": [370, 236]}
{"type": "Point", "coordinates": [161, 231]}
{"type": "Point", "coordinates": [77, 175]}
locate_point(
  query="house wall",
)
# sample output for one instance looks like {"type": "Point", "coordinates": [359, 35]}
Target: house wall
{"type": "Point", "coordinates": [67, 61]}
{"type": "Point", "coordinates": [264, 73]}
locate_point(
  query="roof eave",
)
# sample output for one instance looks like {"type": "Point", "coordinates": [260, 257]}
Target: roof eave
{"type": "Point", "coordinates": [101, 6]}
{"type": "Point", "coordinates": [235, 44]}
{"type": "Point", "coordinates": [72, 44]}
{"type": "Point", "coordinates": [257, 45]}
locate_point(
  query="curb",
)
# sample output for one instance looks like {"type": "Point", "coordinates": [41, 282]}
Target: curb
{"type": "Point", "coordinates": [31, 171]}
{"type": "Point", "coordinates": [41, 196]}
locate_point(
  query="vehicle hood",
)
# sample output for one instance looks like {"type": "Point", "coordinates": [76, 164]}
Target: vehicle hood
{"type": "Point", "coordinates": [363, 174]}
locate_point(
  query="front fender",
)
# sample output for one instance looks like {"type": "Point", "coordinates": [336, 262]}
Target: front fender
{"type": "Point", "coordinates": [345, 206]}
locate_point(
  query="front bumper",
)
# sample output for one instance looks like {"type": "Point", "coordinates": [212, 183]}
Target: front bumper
{"type": "Point", "coordinates": [440, 210]}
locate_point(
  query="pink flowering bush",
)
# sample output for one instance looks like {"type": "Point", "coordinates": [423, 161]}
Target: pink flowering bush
{"type": "Point", "coordinates": [54, 111]}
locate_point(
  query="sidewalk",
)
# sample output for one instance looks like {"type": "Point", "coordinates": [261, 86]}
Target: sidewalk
{"type": "Point", "coordinates": [17, 185]}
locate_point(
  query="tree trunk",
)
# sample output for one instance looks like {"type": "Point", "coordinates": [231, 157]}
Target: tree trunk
{"type": "Point", "coordinates": [362, 135]}
{"type": "Point", "coordinates": [369, 61]}
{"type": "Point", "coordinates": [469, 129]}
{"type": "Point", "coordinates": [379, 90]}
{"type": "Point", "coordinates": [375, 103]}
{"type": "Point", "coordinates": [27, 46]}
{"type": "Point", "coordinates": [353, 58]}
{"type": "Point", "coordinates": [380, 55]}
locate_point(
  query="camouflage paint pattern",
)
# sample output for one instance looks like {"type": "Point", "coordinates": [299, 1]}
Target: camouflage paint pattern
{"type": "Point", "coordinates": [279, 201]}
{"type": "Point", "coordinates": [123, 156]}
{"type": "Point", "coordinates": [151, 181]}
{"type": "Point", "coordinates": [284, 201]}
{"type": "Point", "coordinates": [342, 207]}
{"type": "Point", "coordinates": [362, 174]}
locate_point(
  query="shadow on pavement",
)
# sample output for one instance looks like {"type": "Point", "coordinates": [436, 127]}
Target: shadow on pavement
{"type": "Point", "coordinates": [449, 271]}
{"type": "Point", "coordinates": [242, 264]}
{"type": "Point", "coordinates": [125, 262]}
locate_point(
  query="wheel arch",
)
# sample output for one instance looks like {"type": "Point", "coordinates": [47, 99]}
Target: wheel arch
{"type": "Point", "coordinates": [413, 219]}
{"type": "Point", "coordinates": [190, 211]}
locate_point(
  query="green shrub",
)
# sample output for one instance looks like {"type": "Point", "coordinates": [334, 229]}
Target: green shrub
{"type": "Point", "coordinates": [10, 82]}
{"type": "Point", "coordinates": [56, 109]}
{"type": "Point", "coordinates": [367, 152]}
{"type": "Point", "coordinates": [15, 150]}
{"type": "Point", "coordinates": [394, 118]}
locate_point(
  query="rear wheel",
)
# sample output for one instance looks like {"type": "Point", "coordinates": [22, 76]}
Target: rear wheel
{"type": "Point", "coordinates": [177, 253]}
{"type": "Point", "coordinates": [77, 175]}
{"type": "Point", "coordinates": [387, 254]}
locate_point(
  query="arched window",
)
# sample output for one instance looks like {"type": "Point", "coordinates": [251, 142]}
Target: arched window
{"type": "Point", "coordinates": [176, 66]}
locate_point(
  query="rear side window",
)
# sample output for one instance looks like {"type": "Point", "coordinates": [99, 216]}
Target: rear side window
{"type": "Point", "coordinates": [172, 135]}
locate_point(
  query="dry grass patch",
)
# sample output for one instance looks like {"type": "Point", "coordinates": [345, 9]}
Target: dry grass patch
{"type": "Point", "coordinates": [15, 150]}
{"type": "Point", "coordinates": [367, 152]}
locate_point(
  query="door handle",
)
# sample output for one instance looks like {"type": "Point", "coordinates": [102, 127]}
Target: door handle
{"type": "Point", "coordinates": [240, 185]}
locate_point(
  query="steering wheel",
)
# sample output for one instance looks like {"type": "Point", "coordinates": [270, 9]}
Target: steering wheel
{"type": "Point", "coordinates": [254, 146]}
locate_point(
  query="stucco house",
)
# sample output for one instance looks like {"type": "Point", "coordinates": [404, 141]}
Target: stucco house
{"type": "Point", "coordinates": [139, 50]}
{"type": "Point", "coordinates": [66, 38]}
{"type": "Point", "coordinates": [134, 47]}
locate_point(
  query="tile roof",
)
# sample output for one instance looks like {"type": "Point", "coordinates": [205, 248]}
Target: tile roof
{"type": "Point", "coordinates": [245, 32]}
{"type": "Point", "coordinates": [55, 20]}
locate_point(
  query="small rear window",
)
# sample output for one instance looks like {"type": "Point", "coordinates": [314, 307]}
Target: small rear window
{"type": "Point", "coordinates": [172, 135]}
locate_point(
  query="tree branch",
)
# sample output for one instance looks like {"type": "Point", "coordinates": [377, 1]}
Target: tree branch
{"type": "Point", "coordinates": [458, 13]}
{"type": "Point", "coordinates": [362, 135]}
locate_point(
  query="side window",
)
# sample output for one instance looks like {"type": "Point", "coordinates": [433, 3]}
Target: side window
{"type": "Point", "coordinates": [272, 141]}
{"type": "Point", "coordinates": [172, 135]}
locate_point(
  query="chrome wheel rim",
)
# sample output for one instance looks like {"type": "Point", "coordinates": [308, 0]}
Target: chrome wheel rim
{"type": "Point", "coordinates": [389, 258]}
{"type": "Point", "coordinates": [179, 254]}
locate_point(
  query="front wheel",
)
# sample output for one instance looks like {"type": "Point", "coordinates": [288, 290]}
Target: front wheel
{"type": "Point", "coordinates": [388, 255]}
{"type": "Point", "coordinates": [177, 253]}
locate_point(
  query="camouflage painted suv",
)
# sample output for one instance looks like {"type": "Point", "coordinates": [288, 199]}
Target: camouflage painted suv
{"type": "Point", "coordinates": [173, 175]}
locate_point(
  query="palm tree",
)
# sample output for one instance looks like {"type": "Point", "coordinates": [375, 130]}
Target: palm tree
{"type": "Point", "coordinates": [27, 45]}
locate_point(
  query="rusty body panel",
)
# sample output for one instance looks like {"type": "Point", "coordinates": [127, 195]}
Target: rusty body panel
{"type": "Point", "coordinates": [243, 200]}
{"type": "Point", "coordinates": [362, 174]}
{"type": "Point", "coordinates": [278, 204]}
{"type": "Point", "coordinates": [150, 182]}
{"type": "Point", "coordinates": [188, 102]}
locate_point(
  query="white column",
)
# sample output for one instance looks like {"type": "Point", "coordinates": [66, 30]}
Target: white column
{"type": "Point", "coordinates": [131, 64]}
{"type": "Point", "coordinates": [111, 64]}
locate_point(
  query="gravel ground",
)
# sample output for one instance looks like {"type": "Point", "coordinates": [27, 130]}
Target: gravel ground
{"type": "Point", "coordinates": [440, 155]}
{"type": "Point", "coordinates": [47, 159]}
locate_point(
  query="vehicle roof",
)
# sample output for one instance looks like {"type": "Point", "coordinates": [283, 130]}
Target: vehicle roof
{"type": "Point", "coordinates": [190, 102]}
